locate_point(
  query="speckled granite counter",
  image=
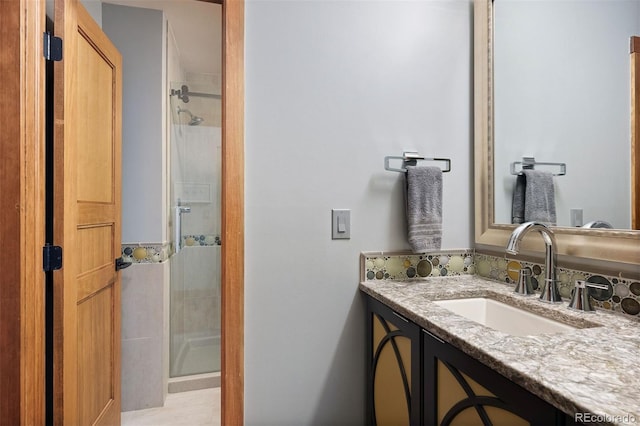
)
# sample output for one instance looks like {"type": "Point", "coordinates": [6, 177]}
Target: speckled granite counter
{"type": "Point", "coordinates": [594, 370]}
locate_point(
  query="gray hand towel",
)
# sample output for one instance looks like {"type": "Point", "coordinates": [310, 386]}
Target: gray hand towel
{"type": "Point", "coordinates": [539, 199]}
{"type": "Point", "coordinates": [517, 206]}
{"type": "Point", "coordinates": [424, 208]}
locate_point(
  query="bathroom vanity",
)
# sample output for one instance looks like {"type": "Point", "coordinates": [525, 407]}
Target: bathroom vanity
{"type": "Point", "coordinates": [428, 365]}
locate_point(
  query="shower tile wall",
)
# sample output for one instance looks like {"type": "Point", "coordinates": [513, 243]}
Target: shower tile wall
{"type": "Point", "coordinates": [195, 163]}
{"type": "Point", "coordinates": [144, 354]}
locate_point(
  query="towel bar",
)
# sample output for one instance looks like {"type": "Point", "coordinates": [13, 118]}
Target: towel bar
{"type": "Point", "coordinates": [410, 158]}
{"type": "Point", "coordinates": [529, 163]}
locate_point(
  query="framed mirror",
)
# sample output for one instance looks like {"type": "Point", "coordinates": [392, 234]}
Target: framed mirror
{"type": "Point", "coordinates": [493, 156]}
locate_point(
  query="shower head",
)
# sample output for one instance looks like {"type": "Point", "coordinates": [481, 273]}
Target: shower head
{"type": "Point", "coordinates": [194, 119]}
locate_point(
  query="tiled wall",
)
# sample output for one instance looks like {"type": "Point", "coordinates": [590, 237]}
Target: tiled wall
{"type": "Point", "coordinates": [190, 282]}
{"type": "Point", "coordinates": [622, 295]}
{"type": "Point", "coordinates": [144, 343]}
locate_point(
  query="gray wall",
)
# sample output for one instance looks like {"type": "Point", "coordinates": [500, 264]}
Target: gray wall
{"type": "Point", "coordinates": [94, 7]}
{"type": "Point", "coordinates": [332, 87]}
{"type": "Point", "coordinates": [140, 34]}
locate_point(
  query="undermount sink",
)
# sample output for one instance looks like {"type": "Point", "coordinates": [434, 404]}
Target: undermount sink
{"type": "Point", "coordinates": [502, 317]}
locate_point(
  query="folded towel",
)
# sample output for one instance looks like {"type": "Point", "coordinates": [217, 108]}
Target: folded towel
{"type": "Point", "coordinates": [517, 206]}
{"type": "Point", "coordinates": [424, 208]}
{"type": "Point", "coordinates": [539, 198]}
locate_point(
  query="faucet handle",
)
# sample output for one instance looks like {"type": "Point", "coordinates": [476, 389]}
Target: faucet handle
{"type": "Point", "coordinates": [580, 299]}
{"type": "Point", "coordinates": [550, 293]}
{"type": "Point", "coordinates": [524, 285]}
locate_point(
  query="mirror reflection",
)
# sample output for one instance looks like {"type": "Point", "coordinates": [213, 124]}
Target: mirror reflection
{"type": "Point", "coordinates": [562, 96]}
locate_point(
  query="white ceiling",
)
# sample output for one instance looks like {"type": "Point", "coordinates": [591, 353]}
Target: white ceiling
{"type": "Point", "coordinates": [197, 27]}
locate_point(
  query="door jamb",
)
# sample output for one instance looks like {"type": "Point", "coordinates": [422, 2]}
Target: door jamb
{"type": "Point", "coordinates": [22, 139]}
{"type": "Point", "coordinates": [232, 264]}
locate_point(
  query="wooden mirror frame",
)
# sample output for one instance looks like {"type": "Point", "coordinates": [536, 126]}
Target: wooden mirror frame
{"type": "Point", "coordinates": [635, 131]}
{"type": "Point", "coordinates": [612, 251]}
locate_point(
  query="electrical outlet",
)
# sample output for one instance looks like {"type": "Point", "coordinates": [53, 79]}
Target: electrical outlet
{"type": "Point", "coordinates": [576, 217]}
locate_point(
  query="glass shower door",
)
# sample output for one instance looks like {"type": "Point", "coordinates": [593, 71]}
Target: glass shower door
{"type": "Point", "coordinates": [195, 263]}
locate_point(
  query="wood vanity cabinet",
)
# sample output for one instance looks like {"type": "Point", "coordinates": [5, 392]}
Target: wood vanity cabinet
{"type": "Point", "coordinates": [394, 367]}
{"type": "Point", "coordinates": [415, 378]}
{"type": "Point", "coordinates": [460, 390]}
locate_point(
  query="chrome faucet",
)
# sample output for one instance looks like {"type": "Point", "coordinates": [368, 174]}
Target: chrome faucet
{"type": "Point", "coordinates": [550, 291]}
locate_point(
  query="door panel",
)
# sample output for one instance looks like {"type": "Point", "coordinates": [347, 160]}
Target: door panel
{"type": "Point", "coordinates": [95, 381]}
{"type": "Point", "coordinates": [95, 102]}
{"type": "Point", "coordinates": [87, 179]}
{"type": "Point", "coordinates": [96, 259]}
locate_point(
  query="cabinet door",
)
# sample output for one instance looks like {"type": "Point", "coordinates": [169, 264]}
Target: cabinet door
{"type": "Point", "coordinates": [394, 378]}
{"type": "Point", "coordinates": [460, 390]}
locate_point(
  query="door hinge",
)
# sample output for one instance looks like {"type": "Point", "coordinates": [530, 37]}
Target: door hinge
{"type": "Point", "coordinates": [51, 258]}
{"type": "Point", "coordinates": [52, 47]}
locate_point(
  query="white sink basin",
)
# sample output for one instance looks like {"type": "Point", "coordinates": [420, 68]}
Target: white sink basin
{"type": "Point", "coordinates": [503, 317]}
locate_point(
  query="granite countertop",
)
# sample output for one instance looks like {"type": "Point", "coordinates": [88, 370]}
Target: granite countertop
{"type": "Point", "coordinates": [588, 370]}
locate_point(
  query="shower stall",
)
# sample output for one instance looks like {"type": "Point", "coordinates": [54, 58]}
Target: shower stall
{"type": "Point", "coordinates": [195, 149]}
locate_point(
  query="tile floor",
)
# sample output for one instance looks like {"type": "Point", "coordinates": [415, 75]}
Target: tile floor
{"type": "Point", "coordinates": [194, 408]}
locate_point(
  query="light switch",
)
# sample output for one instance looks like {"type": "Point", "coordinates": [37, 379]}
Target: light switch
{"type": "Point", "coordinates": [341, 224]}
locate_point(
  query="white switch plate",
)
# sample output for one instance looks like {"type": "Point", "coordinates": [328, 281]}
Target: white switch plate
{"type": "Point", "coordinates": [340, 224]}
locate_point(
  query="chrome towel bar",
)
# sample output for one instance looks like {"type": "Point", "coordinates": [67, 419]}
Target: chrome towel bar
{"type": "Point", "coordinates": [529, 163]}
{"type": "Point", "coordinates": [410, 158]}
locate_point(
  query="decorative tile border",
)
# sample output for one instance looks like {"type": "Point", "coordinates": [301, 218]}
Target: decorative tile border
{"type": "Point", "coordinates": [404, 265]}
{"type": "Point", "coordinates": [158, 253]}
{"type": "Point", "coordinates": [146, 253]}
{"type": "Point", "coordinates": [623, 295]}
{"type": "Point", "coordinates": [201, 240]}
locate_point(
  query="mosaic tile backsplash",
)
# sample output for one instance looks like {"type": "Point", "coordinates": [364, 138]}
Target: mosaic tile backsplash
{"type": "Point", "coordinates": [622, 295]}
{"type": "Point", "coordinates": [394, 266]}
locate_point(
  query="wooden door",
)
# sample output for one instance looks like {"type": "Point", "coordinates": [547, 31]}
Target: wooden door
{"type": "Point", "coordinates": [87, 179]}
